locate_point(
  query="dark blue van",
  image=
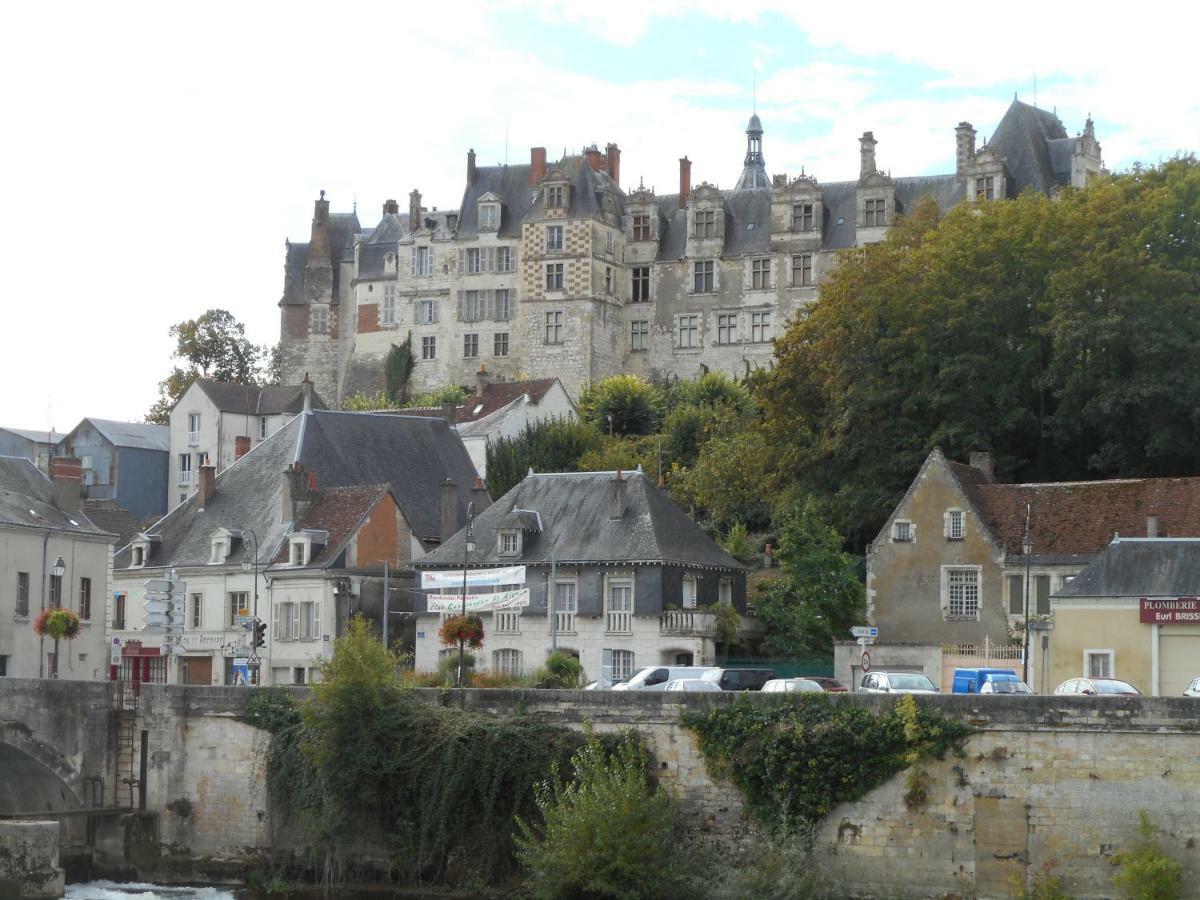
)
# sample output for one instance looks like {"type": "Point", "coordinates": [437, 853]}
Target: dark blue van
{"type": "Point", "coordinates": [969, 681]}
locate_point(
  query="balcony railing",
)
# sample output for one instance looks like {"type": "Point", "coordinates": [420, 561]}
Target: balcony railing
{"type": "Point", "coordinates": [566, 622]}
{"type": "Point", "coordinates": [508, 622]}
{"type": "Point", "coordinates": [686, 621]}
{"type": "Point", "coordinates": [185, 478]}
{"type": "Point", "coordinates": [193, 439]}
{"type": "Point", "coordinates": [619, 623]}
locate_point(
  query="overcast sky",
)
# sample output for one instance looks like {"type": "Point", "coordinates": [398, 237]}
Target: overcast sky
{"type": "Point", "coordinates": [156, 155]}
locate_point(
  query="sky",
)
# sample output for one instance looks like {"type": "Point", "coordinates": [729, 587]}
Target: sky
{"type": "Point", "coordinates": [157, 155]}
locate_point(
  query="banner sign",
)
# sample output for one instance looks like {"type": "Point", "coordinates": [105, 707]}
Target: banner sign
{"type": "Point", "coordinates": [452, 603]}
{"type": "Point", "coordinates": [448, 578]}
{"type": "Point", "coordinates": [1180, 611]}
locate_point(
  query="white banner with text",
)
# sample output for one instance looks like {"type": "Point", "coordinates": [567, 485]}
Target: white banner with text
{"type": "Point", "coordinates": [449, 578]}
{"type": "Point", "coordinates": [452, 603]}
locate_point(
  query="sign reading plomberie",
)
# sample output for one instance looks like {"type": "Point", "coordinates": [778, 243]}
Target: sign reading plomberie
{"type": "Point", "coordinates": [1177, 611]}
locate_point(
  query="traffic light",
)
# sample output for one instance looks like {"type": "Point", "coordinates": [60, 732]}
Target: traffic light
{"type": "Point", "coordinates": [260, 634]}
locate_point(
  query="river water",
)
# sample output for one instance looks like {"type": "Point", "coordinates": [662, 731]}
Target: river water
{"type": "Point", "coordinates": [111, 890]}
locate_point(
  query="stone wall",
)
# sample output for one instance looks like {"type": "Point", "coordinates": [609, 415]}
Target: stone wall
{"type": "Point", "coordinates": [29, 860]}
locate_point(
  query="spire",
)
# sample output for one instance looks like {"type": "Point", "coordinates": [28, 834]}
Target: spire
{"type": "Point", "coordinates": [754, 170]}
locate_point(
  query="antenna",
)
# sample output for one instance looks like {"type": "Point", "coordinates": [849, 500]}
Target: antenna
{"type": "Point", "coordinates": [506, 119]}
{"type": "Point", "coordinates": [754, 102]}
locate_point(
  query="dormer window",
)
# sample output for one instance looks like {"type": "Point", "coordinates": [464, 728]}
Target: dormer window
{"type": "Point", "coordinates": [641, 228]}
{"type": "Point", "coordinates": [556, 196]}
{"type": "Point", "coordinates": [220, 550]}
{"type": "Point", "coordinates": [298, 553]}
{"type": "Point", "coordinates": [510, 542]}
{"type": "Point", "coordinates": [985, 188]}
{"type": "Point", "coordinates": [139, 556]}
{"type": "Point", "coordinates": [802, 217]}
{"type": "Point", "coordinates": [303, 546]}
{"type": "Point", "coordinates": [705, 223]}
{"type": "Point", "coordinates": [489, 216]}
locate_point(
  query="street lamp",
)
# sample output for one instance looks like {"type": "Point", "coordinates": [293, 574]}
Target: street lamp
{"type": "Point", "coordinates": [1027, 551]}
{"type": "Point", "coordinates": [250, 564]}
{"type": "Point", "coordinates": [57, 570]}
{"type": "Point", "coordinates": [468, 546]}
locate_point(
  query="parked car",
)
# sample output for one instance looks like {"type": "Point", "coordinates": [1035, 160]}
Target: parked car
{"type": "Point", "coordinates": [740, 679]}
{"type": "Point", "coordinates": [792, 686]}
{"type": "Point", "coordinates": [971, 681]}
{"type": "Point", "coordinates": [655, 678]}
{"type": "Point", "coordinates": [830, 685]}
{"type": "Point", "coordinates": [693, 685]}
{"type": "Point", "coordinates": [1007, 686]}
{"type": "Point", "coordinates": [896, 683]}
{"type": "Point", "coordinates": [1105, 686]}
{"type": "Point", "coordinates": [1193, 689]}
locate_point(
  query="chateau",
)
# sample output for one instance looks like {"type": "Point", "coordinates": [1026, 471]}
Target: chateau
{"type": "Point", "coordinates": [552, 269]}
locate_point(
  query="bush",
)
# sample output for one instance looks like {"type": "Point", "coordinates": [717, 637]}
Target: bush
{"type": "Point", "coordinates": [1146, 872]}
{"type": "Point", "coordinates": [622, 404]}
{"type": "Point", "coordinates": [780, 867]}
{"type": "Point", "coordinates": [560, 671]}
{"type": "Point", "coordinates": [447, 670]}
{"type": "Point", "coordinates": [607, 834]}
{"type": "Point", "coordinates": [550, 446]}
{"type": "Point", "coordinates": [271, 709]}
{"type": "Point", "coordinates": [451, 394]}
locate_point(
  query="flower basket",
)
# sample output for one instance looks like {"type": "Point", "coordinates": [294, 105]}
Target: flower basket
{"type": "Point", "coordinates": [468, 629]}
{"type": "Point", "coordinates": [58, 623]}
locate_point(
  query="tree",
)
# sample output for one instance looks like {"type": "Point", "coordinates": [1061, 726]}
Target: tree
{"type": "Point", "coordinates": [555, 445]}
{"type": "Point", "coordinates": [820, 597]}
{"type": "Point", "coordinates": [397, 369]}
{"type": "Point", "coordinates": [622, 405]}
{"type": "Point", "coordinates": [730, 480]}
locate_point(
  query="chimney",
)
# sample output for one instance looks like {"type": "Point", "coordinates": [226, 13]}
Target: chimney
{"type": "Point", "coordinates": [241, 446]}
{"type": "Point", "coordinates": [306, 387]}
{"type": "Point", "coordinates": [614, 163]}
{"type": "Point", "coordinates": [471, 166]}
{"type": "Point", "coordinates": [1152, 526]}
{"type": "Point", "coordinates": [482, 380]}
{"type": "Point", "coordinates": [479, 496]}
{"type": "Point", "coordinates": [768, 556]}
{"type": "Point", "coordinates": [320, 254]}
{"type": "Point", "coordinates": [448, 413]}
{"type": "Point", "coordinates": [685, 181]}
{"type": "Point", "coordinates": [595, 158]}
{"type": "Point", "coordinates": [983, 462]}
{"type": "Point", "coordinates": [866, 145]}
{"type": "Point", "coordinates": [299, 488]}
{"type": "Point", "coordinates": [67, 474]}
{"type": "Point", "coordinates": [321, 211]}
{"type": "Point", "coordinates": [537, 165]}
{"type": "Point", "coordinates": [964, 147]}
{"type": "Point", "coordinates": [616, 498]}
{"type": "Point", "coordinates": [207, 485]}
{"type": "Point", "coordinates": [449, 508]}
{"type": "Point", "coordinates": [414, 210]}
{"type": "Point", "coordinates": [390, 207]}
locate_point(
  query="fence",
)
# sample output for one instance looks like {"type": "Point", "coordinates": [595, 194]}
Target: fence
{"type": "Point", "coordinates": [784, 668]}
{"type": "Point", "coordinates": [979, 656]}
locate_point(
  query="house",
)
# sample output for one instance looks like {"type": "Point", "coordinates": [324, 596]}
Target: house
{"type": "Point", "coordinates": [949, 567]}
{"type": "Point", "coordinates": [30, 443]}
{"type": "Point", "coordinates": [220, 421]}
{"type": "Point", "coordinates": [1133, 613]}
{"type": "Point", "coordinates": [296, 533]}
{"type": "Point", "coordinates": [50, 555]}
{"type": "Point", "coordinates": [635, 580]}
{"type": "Point", "coordinates": [122, 461]}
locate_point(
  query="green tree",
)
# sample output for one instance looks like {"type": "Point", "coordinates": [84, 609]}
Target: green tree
{"type": "Point", "coordinates": [622, 404]}
{"type": "Point", "coordinates": [819, 596]}
{"type": "Point", "coordinates": [555, 445]}
{"type": "Point", "coordinates": [730, 481]}
{"type": "Point", "coordinates": [397, 369]}
{"type": "Point", "coordinates": [453, 393]}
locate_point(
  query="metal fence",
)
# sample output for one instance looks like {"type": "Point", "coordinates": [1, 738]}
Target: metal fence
{"type": "Point", "coordinates": [783, 668]}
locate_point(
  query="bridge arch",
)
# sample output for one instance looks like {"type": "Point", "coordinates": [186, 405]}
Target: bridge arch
{"type": "Point", "coordinates": [33, 777]}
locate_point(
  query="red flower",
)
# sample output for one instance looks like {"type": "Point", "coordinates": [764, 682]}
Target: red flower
{"type": "Point", "coordinates": [58, 623]}
{"type": "Point", "coordinates": [468, 629]}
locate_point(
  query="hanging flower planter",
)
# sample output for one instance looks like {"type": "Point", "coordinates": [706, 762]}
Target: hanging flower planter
{"type": "Point", "coordinates": [58, 623]}
{"type": "Point", "coordinates": [468, 629]}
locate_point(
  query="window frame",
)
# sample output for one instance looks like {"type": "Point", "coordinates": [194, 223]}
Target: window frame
{"type": "Point", "coordinates": [507, 661]}
{"type": "Point", "coordinates": [556, 196]}
{"type": "Point", "coordinates": [1090, 652]}
{"type": "Point", "coordinates": [233, 611]}
{"type": "Point", "coordinates": [704, 224]}
{"type": "Point", "coordinates": [387, 307]}
{"type": "Point", "coordinates": [22, 605]}
{"type": "Point", "coordinates": [555, 238]}
{"type": "Point", "coordinates": [628, 665]}
{"type": "Point", "coordinates": [500, 344]}
{"type": "Point", "coordinates": [555, 277]}
{"type": "Point", "coordinates": [760, 327]}
{"type": "Point", "coordinates": [704, 279]}
{"type": "Point", "coordinates": [554, 327]}
{"type": "Point", "coordinates": [639, 284]}
{"type": "Point", "coordinates": [429, 346]}
{"type": "Point", "coordinates": [902, 531]}
{"type": "Point", "coordinates": [423, 261]}
{"type": "Point", "coordinates": [489, 216]}
{"type": "Point", "coordinates": [639, 335]}
{"type": "Point", "coordinates": [969, 608]}
{"type": "Point", "coordinates": [509, 542]}
{"type": "Point", "coordinates": [687, 324]}
{"type": "Point", "coordinates": [956, 524]}
{"type": "Point", "coordinates": [641, 227]}
{"type": "Point", "coordinates": [85, 598]}
{"type": "Point", "coordinates": [318, 320]}
{"type": "Point", "coordinates": [727, 324]}
{"type": "Point", "coordinates": [760, 274]}
{"type": "Point", "coordinates": [195, 611]}
{"type": "Point", "coordinates": [802, 216]}
{"type": "Point", "coordinates": [471, 345]}
{"type": "Point", "coordinates": [802, 263]}
{"type": "Point", "coordinates": [874, 212]}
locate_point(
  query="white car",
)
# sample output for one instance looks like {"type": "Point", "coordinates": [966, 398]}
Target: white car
{"type": "Point", "coordinates": [1193, 689]}
{"type": "Point", "coordinates": [896, 683]}
{"type": "Point", "coordinates": [1005, 687]}
{"type": "Point", "coordinates": [792, 686]}
{"type": "Point", "coordinates": [692, 685]}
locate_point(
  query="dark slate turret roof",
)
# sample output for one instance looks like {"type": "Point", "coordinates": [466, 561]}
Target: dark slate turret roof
{"type": "Point", "coordinates": [342, 229]}
{"type": "Point", "coordinates": [1035, 146]}
{"type": "Point", "coordinates": [573, 509]}
{"type": "Point", "coordinates": [1140, 567]}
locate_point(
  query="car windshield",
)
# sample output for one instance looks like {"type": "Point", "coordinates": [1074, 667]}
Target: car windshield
{"type": "Point", "coordinates": [1010, 687]}
{"type": "Point", "coordinates": [1115, 687]}
{"type": "Point", "coordinates": [803, 684]}
{"type": "Point", "coordinates": [911, 683]}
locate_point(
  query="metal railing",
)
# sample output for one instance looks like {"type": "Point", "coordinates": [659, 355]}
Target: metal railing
{"type": "Point", "coordinates": [185, 478]}
{"type": "Point", "coordinates": [193, 439]}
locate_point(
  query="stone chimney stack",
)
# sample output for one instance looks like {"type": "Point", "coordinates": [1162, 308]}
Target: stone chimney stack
{"type": "Point", "coordinates": [414, 210]}
{"type": "Point", "coordinates": [616, 497]}
{"type": "Point", "coordinates": [449, 508]}
{"type": "Point", "coordinates": [983, 462]}
{"type": "Point", "coordinates": [614, 163]}
{"type": "Point", "coordinates": [866, 150]}
{"type": "Point", "coordinates": [537, 165]}
{"type": "Point", "coordinates": [482, 380]}
{"type": "Point", "coordinates": [320, 253]}
{"type": "Point", "coordinates": [206, 486]}
{"type": "Point", "coordinates": [321, 211]}
{"type": "Point", "coordinates": [1152, 526]}
{"type": "Point", "coordinates": [390, 207]}
{"type": "Point", "coordinates": [685, 181]}
{"type": "Point", "coordinates": [67, 475]}
{"type": "Point", "coordinates": [595, 158]}
{"type": "Point", "coordinates": [299, 489]}
{"type": "Point", "coordinates": [241, 446]}
{"type": "Point", "coordinates": [479, 496]}
{"type": "Point", "coordinates": [306, 388]}
{"type": "Point", "coordinates": [471, 166]}
{"type": "Point", "coordinates": [964, 147]}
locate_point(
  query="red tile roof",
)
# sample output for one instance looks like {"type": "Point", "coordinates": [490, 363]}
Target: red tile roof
{"type": "Point", "coordinates": [337, 511]}
{"type": "Point", "coordinates": [495, 396]}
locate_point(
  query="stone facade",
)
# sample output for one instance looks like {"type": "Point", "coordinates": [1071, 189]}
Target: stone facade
{"type": "Point", "coordinates": [554, 269]}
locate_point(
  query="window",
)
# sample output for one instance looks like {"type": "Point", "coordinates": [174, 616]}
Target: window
{"type": "Point", "coordinates": [641, 284]}
{"type": "Point", "coordinates": [56, 590]}
{"type": "Point", "coordinates": [185, 468]}
{"type": "Point", "coordinates": [471, 306]}
{"type": "Point", "coordinates": [195, 610]}
{"type": "Point", "coordinates": [319, 321]}
{"type": "Point", "coordinates": [608, 279]}
{"type": "Point", "coordinates": [193, 429]}
{"type": "Point", "coordinates": [387, 311]}
{"type": "Point", "coordinates": [309, 623]}
{"type": "Point", "coordinates": [556, 195]}
{"type": "Point", "coordinates": [500, 344]}
{"type": "Point", "coordinates": [3, 665]}
{"type": "Point", "coordinates": [620, 606]}
{"type": "Point", "coordinates": [760, 327]}
{"type": "Point", "coordinates": [504, 259]}
{"type": "Point", "coordinates": [963, 587]}
{"type": "Point", "coordinates": [954, 524]}
{"type": "Point", "coordinates": [902, 532]}
{"type": "Point", "coordinates": [297, 553]}
{"type": "Point", "coordinates": [422, 261]}
{"type": "Point", "coordinates": [219, 551]}
{"type": "Point", "coordinates": [85, 598]}
{"type": "Point", "coordinates": [802, 270]}
{"type": "Point", "coordinates": [429, 347]}
{"type": "Point", "coordinates": [299, 675]}
{"type": "Point", "coordinates": [641, 228]}
{"type": "Point", "coordinates": [1016, 595]}
{"type": "Point", "coordinates": [239, 605]}
{"type": "Point", "coordinates": [470, 346]}
{"type": "Point", "coordinates": [566, 604]}
{"type": "Point", "coordinates": [554, 327]}
{"type": "Point", "coordinates": [285, 623]}
{"type": "Point", "coordinates": [510, 543]}
{"type": "Point", "coordinates": [475, 257]}
{"type": "Point", "coordinates": [489, 216]}
{"type": "Point", "coordinates": [554, 237]}
{"type": "Point", "coordinates": [52, 664]}
{"type": "Point", "coordinates": [609, 242]}
{"type": "Point", "coordinates": [85, 461]}
{"type": "Point", "coordinates": [727, 329]}
{"type": "Point", "coordinates": [426, 312]}
{"type": "Point", "coordinates": [263, 422]}
{"type": "Point", "coordinates": [118, 611]}
{"type": "Point", "coordinates": [22, 593]}
{"type": "Point", "coordinates": [689, 592]}
{"type": "Point", "coordinates": [706, 223]}
{"type": "Point", "coordinates": [760, 274]}
{"type": "Point", "coordinates": [1042, 588]}
{"type": "Point", "coordinates": [506, 662]}
{"type": "Point", "coordinates": [502, 308]}
{"type": "Point", "coordinates": [639, 335]}
{"type": "Point", "coordinates": [139, 556]}
{"type": "Point", "coordinates": [702, 277]}
{"type": "Point", "coordinates": [1099, 663]}
{"type": "Point", "coordinates": [873, 213]}
{"type": "Point", "coordinates": [725, 592]}
{"type": "Point", "coordinates": [554, 276]}
{"type": "Point", "coordinates": [802, 217]}
{"type": "Point", "coordinates": [985, 188]}
{"type": "Point", "coordinates": [622, 665]}
{"type": "Point", "coordinates": [687, 332]}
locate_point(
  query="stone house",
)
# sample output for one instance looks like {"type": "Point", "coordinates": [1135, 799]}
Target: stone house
{"type": "Point", "coordinates": [220, 421]}
{"type": "Point", "coordinates": [122, 461]}
{"type": "Point", "coordinates": [552, 268]}
{"type": "Point", "coordinates": [948, 567]}
{"type": "Point", "coordinates": [296, 531]}
{"type": "Point", "coordinates": [635, 580]}
{"type": "Point", "coordinates": [41, 524]}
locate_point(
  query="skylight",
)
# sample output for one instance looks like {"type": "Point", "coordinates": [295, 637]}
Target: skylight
{"type": "Point", "coordinates": [478, 409]}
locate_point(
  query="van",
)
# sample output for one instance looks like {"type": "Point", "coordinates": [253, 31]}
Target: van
{"type": "Point", "coordinates": [969, 681]}
{"type": "Point", "coordinates": [655, 678]}
{"type": "Point", "coordinates": [740, 679]}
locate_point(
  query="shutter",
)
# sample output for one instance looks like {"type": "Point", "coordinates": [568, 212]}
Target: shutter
{"type": "Point", "coordinates": [295, 620]}
{"type": "Point", "coordinates": [433, 310]}
{"type": "Point", "coordinates": [1015, 600]}
{"type": "Point", "coordinates": [461, 308]}
{"type": "Point", "coordinates": [275, 622]}
{"type": "Point", "coordinates": [485, 298]}
{"type": "Point", "coordinates": [491, 259]}
{"type": "Point", "coordinates": [316, 620]}
{"type": "Point", "coordinates": [412, 269]}
{"type": "Point", "coordinates": [1043, 595]}
{"type": "Point", "coordinates": [462, 262]}
{"type": "Point", "coordinates": [946, 524]}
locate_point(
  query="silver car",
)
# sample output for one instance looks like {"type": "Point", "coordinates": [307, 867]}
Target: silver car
{"type": "Point", "coordinates": [792, 686]}
{"type": "Point", "coordinates": [1193, 689]}
{"type": "Point", "coordinates": [692, 685]}
{"type": "Point", "coordinates": [896, 683]}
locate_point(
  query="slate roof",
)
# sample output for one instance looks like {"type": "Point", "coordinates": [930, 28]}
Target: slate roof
{"type": "Point", "coordinates": [338, 512]}
{"type": "Point", "coordinates": [38, 436]}
{"type": "Point", "coordinates": [576, 526]}
{"type": "Point", "coordinates": [413, 455]}
{"type": "Point", "coordinates": [496, 396]}
{"type": "Point", "coordinates": [511, 185]}
{"type": "Point", "coordinates": [250, 399]}
{"type": "Point", "coordinates": [1024, 138]}
{"type": "Point", "coordinates": [1140, 567]}
{"type": "Point", "coordinates": [342, 229]}
{"type": "Point", "coordinates": [132, 434]}
{"type": "Point", "coordinates": [27, 500]}
{"type": "Point", "coordinates": [107, 516]}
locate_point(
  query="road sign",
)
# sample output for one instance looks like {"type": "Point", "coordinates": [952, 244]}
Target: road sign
{"type": "Point", "coordinates": [157, 606]}
{"type": "Point", "coordinates": [115, 652]}
{"type": "Point", "coordinates": [163, 586]}
{"type": "Point", "coordinates": [240, 652]}
{"type": "Point", "coordinates": [157, 620]}
{"type": "Point", "coordinates": [243, 621]}
{"type": "Point", "coordinates": [866, 661]}
{"type": "Point", "coordinates": [864, 631]}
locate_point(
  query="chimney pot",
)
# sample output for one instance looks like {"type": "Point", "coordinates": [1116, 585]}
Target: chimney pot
{"type": "Point", "coordinates": [479, 495]}
{"type": "Point", "coordinates": [685, 181]}
{"type": "Point", "coordinates": [66, 472]}
{"type": "Point", "coordinates": [312, 482]}
{"type": "Point", "coordinates": [964, 147]}
{"type": "Point", "coordinates": [1152, 526]}
{"type": "Point", "coordinates": [537, 165]}
{"type": "Point", "coordinates": [595, 158]}
{"type": "Point", "coordinates": [616, 505]}
{"type": "Point", "coordinates": [390, 207]}
{"type": "Point", "coordinates": [482, 380]}
{"type": "Point", "coordinates": [207, 484]}
{"type": "Point", "coordinates": [614, 163]}
{"type": "Point", "coordinates": [867, 166]}
{"type": "Point", "coordinates": [306, 387]}
{"type": "Point", "coordinates": [471, 166]}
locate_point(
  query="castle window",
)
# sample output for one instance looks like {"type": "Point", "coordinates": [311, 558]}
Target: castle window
{"type": "Point", "coordinates": [727, 329]}
{"type": "Point", "coordinates": [319, 322]}
{"type": "Point", "coordinates": [474, 260]}
{"type": "Point", "coordinates": [387, 312]}
{"type": "Point", "coordinates": [873, 213]}
{"type": "Point", "coordinates": [489, 216]}
{"type": "Point", "coordinates": [426, 312]}
{"type": "Point", "coordinates": [470, 346]}
{"type": "Point", "coordinates": [500, 344]}
{"type": "Point", "coordinates": [422, 261]}
{"type": "Point", "coordinates": [760, 327]}
{"type": "Point", "coordinates": [641, 228]}
{"type": "Point", "coordinates": [554, 327]}
{"type": "Point", "coordinates": [502, 311]}
{"type": "Point", "coordinates": [609, 242]}
{"type": "Point", "coordinates": [429, 347]}
{"type": "Point", "coordinates": [802, 217]}
{"type": "Point", "coordinates": [705, 223]}
{"type": "Point", "coordinates": [961, 588]}
{"type": "Point", "coordinates": [760, 274]}
{"type": "Point", "coordinates": [471, 306]}
{"type": "Point", "coordinates": [702, 277]}
{"type": "Point", "coordinates": [641, 284]}
{"type": "Point", "coordinates": [554, 276]}
{"type": "Point", "coordinates": [687, 332]}
{"type": "Point", "coordinates": [504, 259]}
{"type": "Point", "coordinates": [639, 335]}
{"type": "Point", "coordinates": [608, 279]}
{"type": "Point", "coordinates": [985, 188]}
{"type": "Point", "coordinates": [556, 195]}
{"type": "Point", "coordinates": [554, 237]}
{"type": "Point", "coordinates": [802, 270]}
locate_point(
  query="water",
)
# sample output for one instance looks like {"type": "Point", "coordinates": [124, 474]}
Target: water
{"type": "Point", "coordinates": [111, 890]}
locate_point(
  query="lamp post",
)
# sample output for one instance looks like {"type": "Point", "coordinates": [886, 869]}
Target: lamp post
{"type": "Point", "coordinates": [250, 564]}
{"type": "Point", "coordinates": [1026, 551]}
{"type": "Point", "coordinates": [468, 546]}
{"type": "Point", "coordinates": [57, 570]}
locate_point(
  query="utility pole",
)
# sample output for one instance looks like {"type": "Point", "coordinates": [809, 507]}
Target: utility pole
{"type": "Point", "coordinates": [385, 604]}
{"type": "Point", "coordinates": [467, 547]}
{"type": "Point", "coordinates": [552, 603]}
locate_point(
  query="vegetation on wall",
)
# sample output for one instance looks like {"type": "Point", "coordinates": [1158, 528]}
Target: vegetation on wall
{"type": "Point", "coordinates": [1145, 872]}
{"type": "Point", "coordinates": [397, 369]}
{"type": "Point", "coordinates": [795, 759]}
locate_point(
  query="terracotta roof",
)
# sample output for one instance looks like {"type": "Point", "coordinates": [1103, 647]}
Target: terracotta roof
{"type": "Point", "coordinates": [495, 397]}
{"type": "Point", "coordinates": [337, 511]}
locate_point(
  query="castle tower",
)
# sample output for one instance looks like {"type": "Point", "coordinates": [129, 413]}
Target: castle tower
{"type": "Point", "coordinates": [754, 170]}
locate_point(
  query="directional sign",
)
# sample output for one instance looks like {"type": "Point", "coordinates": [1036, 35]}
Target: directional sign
{"type": "Point", "coordinates": [156, 606]}
{"type": "Point", "coordinates": [163, 585]}
{"type": "Point", "coordinates": [177, 650]}
{"type": "Point", "coordinates": [157, 619]}
{"type": "Point", "coordinates": [240, 652]}
{"type": "Point", "coordinates": [243, 621]}
{"type": "Point", "coordinates": [862, 631]}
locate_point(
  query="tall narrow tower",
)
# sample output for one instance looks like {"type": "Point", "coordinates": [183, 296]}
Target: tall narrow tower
{"type": "Point", "coordinates": [754, 170]}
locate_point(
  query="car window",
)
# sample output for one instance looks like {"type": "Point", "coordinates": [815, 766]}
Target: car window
{"type": "Point", "coordinates": [868, 682]}
{"type": "Point", "coordinates": [911, 683]}
{"type": "Point", "coordinates": [1067, 687]}
{"type": "Point", "coordinates": [658, 676]}
{"type": "Point", "coordinates": [1115, 687]}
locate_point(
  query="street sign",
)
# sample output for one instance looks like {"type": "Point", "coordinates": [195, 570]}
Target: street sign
{"type": "Point", "coordinates": [157, 606]}
{"type": "Point", "coordinates": [243, 621]}
{"type": "Point", "coordinates": [177, 650]}
{"type": "Point", "coordinates": [157, 619]}
{"type": "Point", "coordinates": [172, 639]}
{"type": "Point", "coordinates": [115, 652]}
{"type": "Point", "coordinates": [163, 586]}
{"type": "Point", "coordinates": [866, 662]}
{"type": "Point", "coordinates": [864, 631]}
{"type": "Point", "coordinates": [240, 652]}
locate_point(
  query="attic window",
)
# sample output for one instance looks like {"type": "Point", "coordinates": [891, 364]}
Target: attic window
{"type": "Point", "coordinates": [510, 543]}
{"type": "Point", "coordinates": [902, 532]}
{"type": "Point", "coordinates": [556, 195]}
{"type": "Point", "coordinates": [298, 553]}
{"type": "Point", "coordinates": [139, 555]}
{"type": "Point", "coordinates": [489, 216]}
{"type": "Point", "coordinates": [749, 226]}
{"type": "Point", "coordinates": [220, 550]}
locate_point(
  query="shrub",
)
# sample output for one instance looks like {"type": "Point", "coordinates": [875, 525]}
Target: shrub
{"type": "Point", "coordinates": [560, 671]}
{"type": "Point", "coordinates": [555, 445]}
{"type": "Point", "coordinates": [397, 369]}
{"type": "Point", "coordinates": [633, 403]}
{"type": "Point", "coordinates": [1146, 872]}
{"type": "Point", "coordinates": [607, 834]}
{"type": "Point", "coordinates": [272, 709]}
{"type": "Point", "coordinates": [781, 867]}
{"type": "Point", "coordinates": [450, 394]}
{"type": "Point", "coordinates": [362, 402]}
{"type": "Point", "coordinates": [447, 670]}
{"type": "Point", "coordinates": [736, 542]}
